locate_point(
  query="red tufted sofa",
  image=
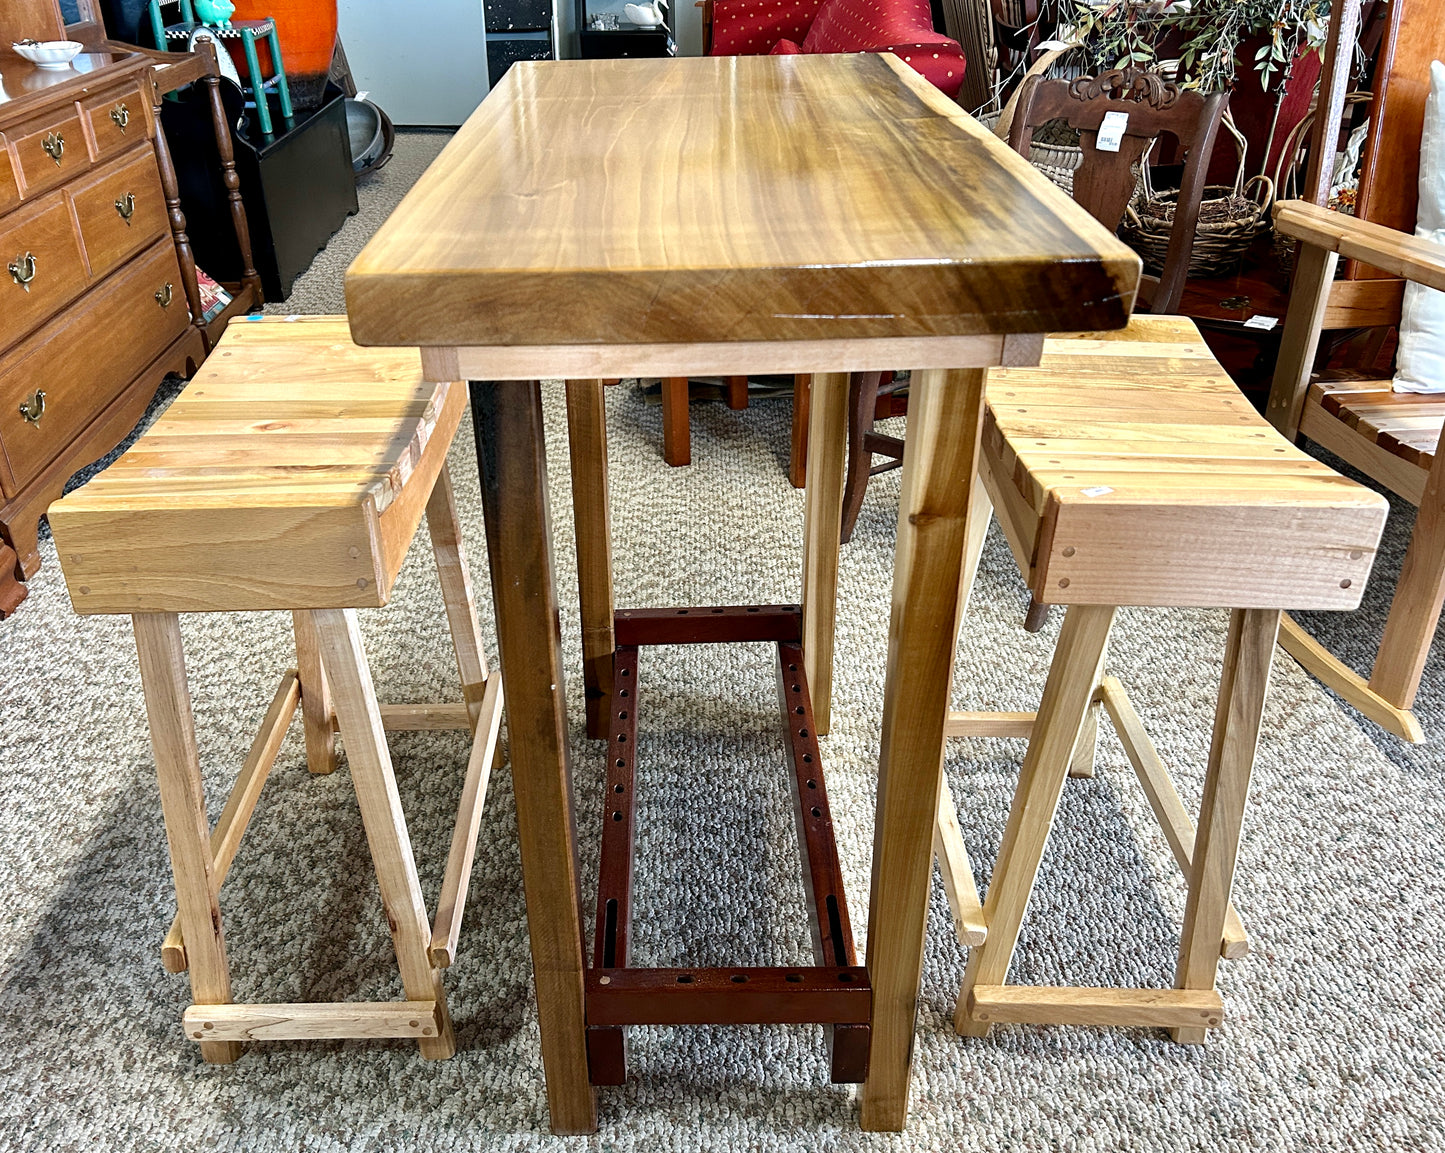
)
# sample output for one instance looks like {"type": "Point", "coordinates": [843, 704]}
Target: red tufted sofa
{"type": "Point", "coordinates": [785, 27]}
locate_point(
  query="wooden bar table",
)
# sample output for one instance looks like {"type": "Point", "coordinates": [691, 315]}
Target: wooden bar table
{"type": "Point", "coordinates": [602, 219]}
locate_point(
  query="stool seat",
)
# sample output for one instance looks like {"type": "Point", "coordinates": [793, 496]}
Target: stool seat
{"type": "Point", "coordinates": [300, 484]}
{"type": "Point", "coordinates": [1128, 469]}
{"type": "Point", "coordinates": [292, 474]}
{"type": "Point", "coordinates": [231, 31]}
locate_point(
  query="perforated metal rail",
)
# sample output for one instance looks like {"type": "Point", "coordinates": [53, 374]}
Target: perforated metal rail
{"type": "Point", "coordinates": [833, 992]}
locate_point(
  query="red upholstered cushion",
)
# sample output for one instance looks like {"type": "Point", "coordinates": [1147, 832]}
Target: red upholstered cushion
{"type": "Point", "coordinates": [903, 27]}
{"type": "Point", "coordinates": [786, 47]}
{"type": "Point", "coordinates": [752, 27]}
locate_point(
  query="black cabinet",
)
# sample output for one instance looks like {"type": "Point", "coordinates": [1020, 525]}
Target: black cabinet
{"type": "Point", "coordinates": [503, 51]}
{"type": "Point", "coordinates": [615, 44]}
{"type": "Point", "coordinates": [516, 30]}
{"type": "Point", "coordinates": [298, 186]}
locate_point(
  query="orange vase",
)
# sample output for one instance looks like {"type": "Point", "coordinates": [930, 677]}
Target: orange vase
{"type": "Point", "coordinates": [307, 29]}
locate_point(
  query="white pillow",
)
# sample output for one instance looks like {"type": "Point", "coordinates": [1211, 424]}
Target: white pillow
{"type": "Point", "coordinates": [1420, 362]}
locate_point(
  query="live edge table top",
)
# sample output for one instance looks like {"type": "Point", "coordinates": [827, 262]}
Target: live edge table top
{"type": "Point", "coordinates": [730, 199]}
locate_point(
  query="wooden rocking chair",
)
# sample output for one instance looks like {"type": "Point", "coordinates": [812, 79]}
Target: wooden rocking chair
{"type": "Point", "coordinates": [1391, 437]}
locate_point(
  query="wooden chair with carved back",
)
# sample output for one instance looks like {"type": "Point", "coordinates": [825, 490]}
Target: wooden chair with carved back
{"type": "Point", "coordinates": [1391, 437]}
{"type": "Point", "coordinates": [1103, 185]}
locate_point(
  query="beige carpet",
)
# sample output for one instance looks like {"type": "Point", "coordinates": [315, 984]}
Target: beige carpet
{"type": "Point", "coordinates": [1334, 1035]}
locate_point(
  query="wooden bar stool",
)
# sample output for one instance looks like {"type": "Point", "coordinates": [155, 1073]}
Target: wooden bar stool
{"type": "Point", "coordinates": [292, 474]}
{"type": "Point", "coordinates": [1128, 470]}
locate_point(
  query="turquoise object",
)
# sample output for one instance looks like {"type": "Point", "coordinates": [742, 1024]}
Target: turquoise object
{"type": "Point", "coordinates": [216, 13]}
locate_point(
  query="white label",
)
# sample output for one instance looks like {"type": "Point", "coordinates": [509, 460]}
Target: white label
{"type": "Point", "coordinates": [362, 95]}
{"type": "Point", "coordinates": [1263, 323]}
{"type": "Point", "coordinates": [1097, 490]}
{"type": "Point", "coordinates": [1111, 131]}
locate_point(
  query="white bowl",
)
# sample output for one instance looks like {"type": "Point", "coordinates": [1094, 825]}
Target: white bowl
{"type": "Point", "coordinates": [51, 54]}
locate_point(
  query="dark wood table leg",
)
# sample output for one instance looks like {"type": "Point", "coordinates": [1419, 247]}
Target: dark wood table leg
{"type": "Point", "coordinates": [587, 440]}
{"type": "Point", "coordinates": [512, 461]}
{"type": "Point", "coordinates": [945, 414]}
{"type": "Point", "coordinates": [798, 441]}
{"type": "Point", "coordinates": [822, 505]}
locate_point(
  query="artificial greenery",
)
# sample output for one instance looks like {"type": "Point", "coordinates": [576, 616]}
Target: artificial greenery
{"type": "Point", "coordinates": [1203, 35]}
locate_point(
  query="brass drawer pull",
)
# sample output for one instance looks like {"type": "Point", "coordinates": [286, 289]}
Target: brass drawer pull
{"type": "Point", "coordinates": [22, 270]}
{"type": "Point", "coordinates": [121, 115]}
{"type": "Point", "coordinates": [54, 146]}
{"type": "Point", "coordinates": [34, 408]}
{"type": "Point", "coordinates": [126, 207]}
{"type": "Point", "coordinates": [165, 296]}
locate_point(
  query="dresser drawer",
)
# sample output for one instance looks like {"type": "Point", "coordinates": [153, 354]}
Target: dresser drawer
{"type": "Point", "coordinates": [121, 210]}
{"type": "Point", "coordinates": [9, 189]}
{"type": "Point", "coordinates": [49, 152]}
{"type": "Point", "coordinates": [84, 359]}
{"type": "Point", "coordinates": [41, 270]}
{"type": "Point", "coordinates": [117, 121]}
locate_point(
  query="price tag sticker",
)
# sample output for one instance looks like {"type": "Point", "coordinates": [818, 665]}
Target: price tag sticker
{"type": "Point", "coordinates": [1111, 131]}
{"type": "Point", "coordinates": [1263, 323]}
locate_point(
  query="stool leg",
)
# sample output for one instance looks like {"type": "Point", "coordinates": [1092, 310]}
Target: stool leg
{"type": "Point", "coordinates": [676, 434]}
{"type": "Point", "coordinates": [456, 583]}
{"type": "Point", "coordinates": [315, 697]}
{"type": "Point", "coordinates": [737, 392]}
{"type": "Point", "coordinates": [253, 65]}
{"type": "Point", "coordinates": [1248, 657]}
{"type": "Point", "coordinates": [188, 834]}
{"type": "Point", "coordinates": [371, 774]}
{"type": "Point", "coordinates": [1078, 660]}
{"type": "Point", "coordinates": [283, 89]}
{"type": "Point", "coordinates": [587, 440]}
{"type": "Point", "coordinates": [822, 508]}
{"type": "Point", "coordinates": [1081, 761]}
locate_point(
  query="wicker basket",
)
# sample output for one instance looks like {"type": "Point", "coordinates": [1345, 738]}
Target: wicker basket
{"type": "Point", "coordinates": [1054, 150]}
{"type": "Point", "coordinates": [1230, 217]}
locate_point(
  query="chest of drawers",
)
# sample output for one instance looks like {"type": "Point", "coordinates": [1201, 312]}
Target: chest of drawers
{"type": "Point", "coordinates": [93, 311]}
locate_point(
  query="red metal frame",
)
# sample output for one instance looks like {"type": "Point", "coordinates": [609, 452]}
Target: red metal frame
{"type": "Point", "coordinates": [835, 992]}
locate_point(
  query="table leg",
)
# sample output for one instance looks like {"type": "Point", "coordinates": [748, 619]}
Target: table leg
{"type": "Point", "coordinates": [945, 412]}
{"type": "Point", "coordinates": [823, 510]}
{"type": "Point", "coordinates": [587, 440]}
{"type": "Point", "coordinates": [512, 462]}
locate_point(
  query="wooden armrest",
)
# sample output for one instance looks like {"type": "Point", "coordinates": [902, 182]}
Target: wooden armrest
{"type": "Point", "coordinates": [1397, 253]}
